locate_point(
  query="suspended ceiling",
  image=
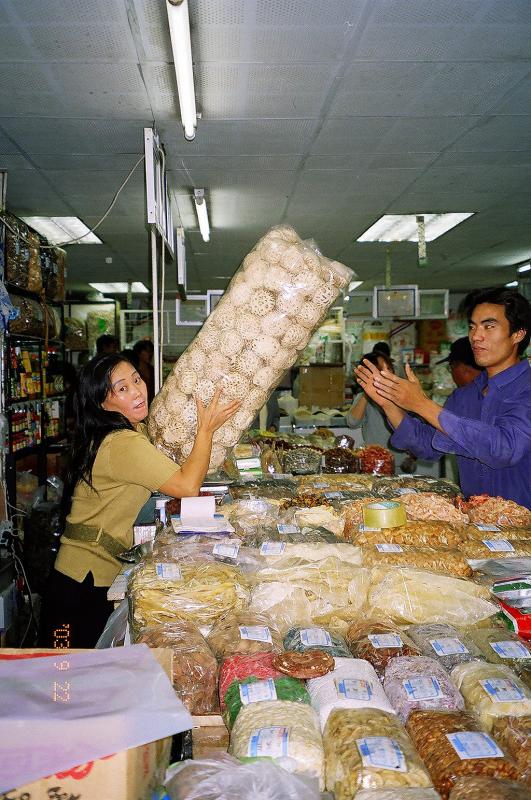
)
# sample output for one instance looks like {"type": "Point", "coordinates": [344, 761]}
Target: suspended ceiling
{"type": "Point", "coordinates": [322, 114]}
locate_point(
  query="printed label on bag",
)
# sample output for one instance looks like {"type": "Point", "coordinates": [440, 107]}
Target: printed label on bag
{"type": "Point", "coordinates": [288, 528]}
{"type": "Point", "coordinates": [499, 545]}
{"type": "Point", "coordinates": [423, 688]}
{"type": "Point", "coordinates": [272, 742]}
{"type": "Point", "coordinates": [406, 491]}
{"type": "Point", "coordinates": [353, 689]}
{"type": "Point", "coordinates": [226, 550]}
{"type": "Point", "coordinates": [168, 572]}
{"type": "Point", "coordinates": [272, 548]}
{"type": "Point", "coordinates": [472, 744]}
{"type": "Point", "coordinates": [315, 636]}
{"type": "Point", "coordinates": [501, 690]}
{"type": "Point", "coordinates": [485, 527]}
{"type": "Point", "coordinates": [363, 528]}
{"type": "Point", "coordinates": [334, 495]}
{"type": "Point", "coordinates": [256, 633]}
{"type": "Point", "coordinates": [321, 485]}
{"type": "Point", "coordinates": [381, 752]}
{"type": "Point", "coordinates": [389, 548]}
{"type": "Point", "coordinates": [257, 692]}
{"type": "Point", "coordinates": [281, 476]}
{"type": "Point", "coordinates": [382, 640]}
{"type": "Point", "coordinates": [448, 646]}
{"type": "Point", "coordinates": [510, 649]}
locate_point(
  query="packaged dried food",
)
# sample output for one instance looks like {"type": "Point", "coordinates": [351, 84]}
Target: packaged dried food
{"type": "Point", "coordinates": [54, 275]}
{"type": "Point", "coordinates": [17, 252]}
{"type": "Point", "coordinates": [412, 484]}
{"type": "Point", "coordinates": [429, 505]}
{"type": "Point", "coordinates": [369, 749]}
{"type": "Point", "coordinates": [451, 746]}
{"type": "Point", "coordinates": [330, 482]}
{"type": "Point", "coordinates": [321, 516]}
{"type": "Point", "coordinates": [379, 642]}
{"type": "Point", "coordinates": [75, 334]}
{"type": "Point", "coordinates": [305, 498]}
{"type": "Point", "coordinates": [266, 316]}
{"type": "Point", "coordinates": [514, 737]}
{"type": "Point", "coordinates": [301, 640]}
{"type": "Point", "coordinates": [398, 794]}
{"type": "Point", "coordinates": [339, 460]}
{"type": "Point", "coordinates": [500, 646]}
{"type": "Point", "coordinates": [353, 513]}
{"type": "Point", "coordinates": [30, 320]}
{"type": "Point", "coordinates": [416, 533]}
{"type": "Point", "coordinates": [197, 592]}
{"type": "Point", "coordinates": [281, 552]}
{"type": "Point", "coordinates": [254, 690]}
{"type": "Point", "coordinates": [353, 683]}
{"type": "Point", "coordinates": [491, 691]}
{"type": "Point", "coordinates": [302, 461]}
{"type": "Point", "coordinates": [311, 664]}
{"type": "Point", "coordinates": [481, 531]}
{"type": "Point", "coordinates": [410, 596]}
{"type": "Point", "coordinates": [480, 787]}
{"type": "Point", "coordinates": [203, 547]}
{"type": "Point", "coordinates": [245, 633]}
{"type": "Point", "coordinates": [240, 667]}
{"type": "Point", "coordinates": [376, 460]}
{"type": "Point", "coordinates": [194, 666]}
{"type": "Point", "coordinates": [495, 548]}
{"type": "Point", "coordinates": [496, 511]}
{"type": "Point", "coordinates": [288, 534]}
{"type": "Point", "coordinates": [34, 263]}
{"type": "Point", "coordinates": [418, 682]}
{"type": "Point", "coordinates": [448, 562]}
{"type": "Point", "coordinates": [445, 643]}
{"type": "Point", "coordinates": [281, 730]}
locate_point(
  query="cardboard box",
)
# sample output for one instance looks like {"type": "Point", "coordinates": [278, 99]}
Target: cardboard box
{"type": "Point", "coordinates": [209, 736]}
{"type": "Point", "coordinates": [128, 775]}
{"type": "Point", "coordinates": [321, 385]}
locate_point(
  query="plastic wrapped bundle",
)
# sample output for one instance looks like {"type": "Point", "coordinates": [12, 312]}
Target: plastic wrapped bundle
{"type": "Point", "coordinates": [327, 483]}
{"type": "Point", "coordinates": [353, 513]}
{"type": "Point", "coordinates": [252, 690]}
{"type": "Point", "coordinates": [339, 460]}
{"type": "Point", "coordinates": [244, 633]}
{"type": "Point", "coordinates": [497, 511]}
{"type": "Point", "coordinates": [376, 460]}
{"type": "Point", "coordinates": [420, 683]}
{"type": "Point", "coordinates": [320, 517]}
{"type": "Point", "coordinates": [291, 534]}
{"type": "Point", "coordinates": [303, 639]}
{"type": "Point", "coordinates": [215, 549]}
{"type": "Point", "coordinates": [397, 794]}
{"type": "Point", "coordinates": [307, 550]}
{"type": "Point", "coordinates": [447, 562]}
{"type": "Point", "coordinates": [491, 691]}
{"type": "Point", "coordinates": [513, 734]}
{"type": "Point", "coordinates": [429, 505]}
{"type": "Point", "coordinates": [240, 667]}
{"type": "Point", "coordinates": [30, 320]}
{"type": "Point", "coordinates": [451, 746]}
{"type": "Point", "coordinates": [194, 666]}
{"type": "Point", "coordinates": [416, 533]}
{"type": "Point", "coordinates": [500, 646]}
{"type": "Point", "coordinates": [274, 302]}
{"type": "Point", "coordinates": [411, 596]}
{"type": "Point", "coordinates": [352, 684]}
{"type": "Point", "coordinates": [495, 548]}
{"type": "Point", "coordinates": [443, 642]}
{"type": "Point", "coordinates": [369, 749]}
{"type": "Point", "coordinates": [195, 592]}
{"type": "Point", "coordinates": [284, 731]}
{"type": "Point", "coordinates": [378, 643]}
{"type": "Point", "coordinates": [302, 461]}
{"type": "Point", "coordinates": [17, 252]}
{"type": "Point", "coordinates": [479, 787]}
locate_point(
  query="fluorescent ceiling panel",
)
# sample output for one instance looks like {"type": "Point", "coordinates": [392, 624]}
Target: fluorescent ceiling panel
{"type": "Point", "coordinates": [63, 230]}
{"type": "Point", "coordinates": [403, 227]}
{"type": "Point", "coordinates": [119, 287]}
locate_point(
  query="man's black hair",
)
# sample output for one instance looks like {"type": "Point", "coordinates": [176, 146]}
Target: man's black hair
{"type": "Point", "coordinates": [517, 309]}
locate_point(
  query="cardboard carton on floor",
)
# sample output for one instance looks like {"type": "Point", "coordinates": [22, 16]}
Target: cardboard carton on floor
{"type": "Point", "coordinates": [128, 775]}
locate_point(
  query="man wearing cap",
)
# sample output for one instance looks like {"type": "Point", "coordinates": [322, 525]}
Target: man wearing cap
{"type": "Point", "coordinates": [461, 362]}
{"type": "Point", "coordinates": [486, 423]}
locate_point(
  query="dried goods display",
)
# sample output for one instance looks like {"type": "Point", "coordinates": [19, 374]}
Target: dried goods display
{"type": "Point", "coordinates": [240, 667]}
{"type": "Point", "coordinates": [480, 531]}
{"type": "Point", "coordinates": [417, 533]}
{"type": "Point", "coordinates": [75, 334]}
{"type": "Point", "coordinates": [418, 682]}
{"type": "Point", "coordinates": [244, 633]}
{"type": "Point", "coordinates": [378, 643]}
{"type": "Point", "coordinates": [322, 516]}
{"type": "Point", "coordinates": [297, 537]}
{"type": "Point", "coordinates": [514, 737]}
{"type": "Point", "coordinates": [418, 483]}
{"type": "Point", "coordinates": [495, 548]}
{"type": "Point", "coordinates": [253, 690]}
{"type": "Point", "coordinates": [332, 481]}
{"type": "Point", "coordinates": [30, 321]}
{"type": "Point", "coordinates": [353, 513]}
{"type": "Point", "coordinates": [451, 746]}
{"type": "Point", "coordinates": [203, 547]}
{"type": "Point", "coordinates": [54, 274]}
{"type": "Point", "coordinates": [311, 664]}
{"type": "Point", "coordinates": [302, 461]}
{"type": "Point", "coordinates": [300, 640]}
{"type": "Point", "coordinates": [369, 749]}
{"type": "Point", "coordinates": [448, 562]}
{"type": "Point", "coordinates": [500, 646]}
{"type": "Point", "coordinates": [491, 691]}
{"type": "Point", "coordinates": [194, 666]}
{"type": "Point", "coordinates": [307, 550]}
{"type": "Point", "coordinates": [278, 296]}
{"type": "Point", "coordinates": [353, 683]}
{"type": "Point", "coordinates": [429, 505]}
{"type": "Point", "coordinates": [16, 252]}
{"type": "Point", "coordinates": [445, 643]}
{"type": "Point", "coordinates": [283, 731]}
{"type": "Point", "coordinates": [376, 460]}
{"type": "Point", "coordinates": [398, 794]}
{"type": "Point", "coordinates": [339, 460]}
{"type": "Point", "coordinates": [496, 511]}
{"type": "Point", "coordinates": [34, 263]}
{"type": "Point", "coordinates": [480, 787]}
{"type": "Point", "coordinates": [305, 499]}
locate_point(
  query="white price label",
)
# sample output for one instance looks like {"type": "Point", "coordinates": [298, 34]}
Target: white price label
{"type": "Point", "coordinates": [258, 692]}
{"type": "Point", "coordinates": [353, 689]}
{"type": "Point", "coordinates": [389, 548]}
{"type": "Point", "coordinates": [272, 742]}
{"type": "Point", "coordinates": [499, 545]}
{"type": "Point", "coordinates": [321, 485]}
{"type": "Point", "coordinates": [381, 752]}
{"type": "Point", "coordinates": [423, 688]}
{"type": "Point", "coordinates": [272, 548]}
{"type": "Point", "coordinates": [448, 646]}
{"type": "Point", "coordinates": [315, 636]}
{"type": "Point", "coordinates": [472, 744]}
{"type": "Point", "coordinates": [406, 491]}
{"type": "Point", "coordinates": [382, 640]}
{"type": "Point", "coordinates": [334, 495]}
{"type": "Point", "coordinates": [168, 572]}
{"type": "Point", "coordinates": [510, 649]}
{"type": "Point", "coordinates": [501, 690]}
{"type": "Point", "coordinates": [489, 528]}
{"type": "Point", "coordinates": [281, 476]}
{"type": "Point", "coordinates": [288, 528]}
{"type": "Point", "coordinates": [248, 464]}
{"type": "Point", "coordinates": [226, 550]}
{"type": "Point", "coordinates": [256, 633]}
{"type": "Point", "coordinates": [364, 528]}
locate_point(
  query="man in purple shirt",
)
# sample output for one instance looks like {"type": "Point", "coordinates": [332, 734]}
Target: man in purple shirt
{"type": "Point", "coordinates": [487, 423]}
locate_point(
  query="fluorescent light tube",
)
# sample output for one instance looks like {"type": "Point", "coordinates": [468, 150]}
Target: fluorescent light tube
{"type": "Point", "coordinates": [202, 213]}
{"type": "Point", "coordinates": [62, 230]}
{"type": "Point", "coordinates": [404, 228]}
{"type": "Point", "coordinates": [511, 284]}
{"type": "Point", "coordinates": [524, 268]}
{"type": "Point", "coordinates": [354, 285]}
{"type": "Point", "coordinates": [181, 45]}
{"type": "Point", "coordinates": [119, 287]}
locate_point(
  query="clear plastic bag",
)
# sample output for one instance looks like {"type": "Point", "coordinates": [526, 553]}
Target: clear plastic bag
{"type": "Point", "coordinates": [428, 505]}
{"type": "Point", "coordinates": [302, 461]}
{"type": "Point", "coordinates": [30, 320]}
{"type": "Point", "coordinates": [495, 548]}
{"type": "Point", "coordinates": [376, 460]}
{"type": "Point", "coordinates": [245, 633]}
{"type": "Point", "coordinates": [500, 646]}
{"type": "Point", "coordinates": [379, 642]}
{"type": "Point", "coordinates": [369, 749]}
{"type": "Point", "coordinates": [491, 691]}
{"type": "Point", "coordinates": [300, 640]}
{"type": "Point", "coordinates": [479, 787]}
{"type": "Point", "coordinates": [305, 536]}
{"type": "Point", "coordinates": [239, 667]}
{"type": "Point", "coordinates": [251, 690]}
{"type": "Point", "coordinates": [445, 643]}
{"type": "Point", "coordinates": [307, 550]}
{"type": "Point", "coordinates": [416, 533]}
{"type": "Point", "coordinates": [497, 511]}
{"type": "Point", "coordinates": [274, 301]}
{"type": "Point", "coordinates": [227, 550]}
{"type": "Point", "coordinates": [398, 794]}
{"type": "Point", "coordinates": [447, 562]}
{"type": "Point", "coordinates": [514, 737]}
{"type": "Point", "coordinates": [419, 683]}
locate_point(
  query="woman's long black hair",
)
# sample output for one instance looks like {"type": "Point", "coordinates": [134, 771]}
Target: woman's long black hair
{"type": "Point", "coordinates": [93, 422]}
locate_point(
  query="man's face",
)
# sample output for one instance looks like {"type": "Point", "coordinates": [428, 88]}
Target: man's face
{"type": "Point", "coordinates": [494, 347]}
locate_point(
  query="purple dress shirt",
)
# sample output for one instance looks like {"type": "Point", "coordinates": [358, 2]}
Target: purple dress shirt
{"type": "Point", "coordinates": [490, 434]}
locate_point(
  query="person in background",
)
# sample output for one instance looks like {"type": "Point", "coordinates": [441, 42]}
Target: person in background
{"type": "Point", "coordinates": [382, 348]}
{"type": "Point", "coordinates": [461, 361]}
{"type": "Point", "coordinates": [143, 356]}
{"type": "Point", "coordinates": [107, 344]}
{"type": "Point", "coordinates": [486, 423]}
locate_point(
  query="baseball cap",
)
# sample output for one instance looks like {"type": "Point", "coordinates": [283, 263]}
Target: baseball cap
{"type": "Point", "coordinates": [460, 352]}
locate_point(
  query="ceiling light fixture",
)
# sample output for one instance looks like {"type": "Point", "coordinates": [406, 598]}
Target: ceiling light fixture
{"type": "Point", "coordinates": [524, 268]}
{"type": "Point", "coordinates": [354, 285]}
{"type": "Point", "coordinates": [181, 46]}
{"type": "Point", "coordinates": [404, 227]}
{"type": "Point", "coordinates": [511, 284]}
{"type": "Point", "coordinates": [120, 287]}
{"type": "Point", "coordinates": [63, 230]}
{"type": "Point", "coordinates": [202, 213]}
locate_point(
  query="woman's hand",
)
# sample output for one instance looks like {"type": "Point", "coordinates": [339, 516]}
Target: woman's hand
{"type": "Point", "coordinates": [406, 393]}
{"type": "Point", "coordinates": [213, 416]}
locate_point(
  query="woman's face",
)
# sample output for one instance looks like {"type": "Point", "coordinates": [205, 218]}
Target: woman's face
{"type": "Point", "coordinates": [128, 395]}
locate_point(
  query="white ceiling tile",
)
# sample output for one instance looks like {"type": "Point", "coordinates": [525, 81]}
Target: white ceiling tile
{"type": "Point", "coordinates": [76, 136]}
{"type": "Point", "coordinates": [307, 12]}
